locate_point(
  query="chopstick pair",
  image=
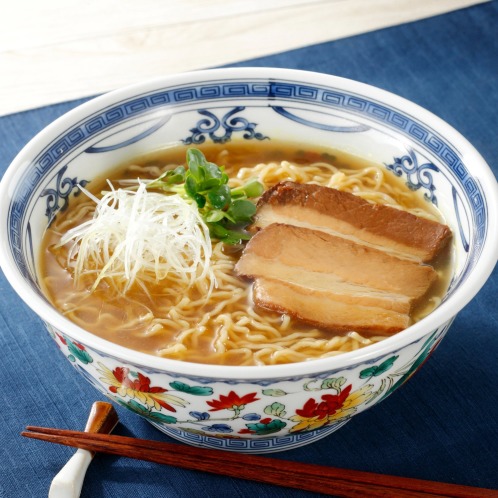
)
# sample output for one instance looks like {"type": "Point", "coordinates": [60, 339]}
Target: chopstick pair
{"type": "Point", "coordinates": [310, 477]}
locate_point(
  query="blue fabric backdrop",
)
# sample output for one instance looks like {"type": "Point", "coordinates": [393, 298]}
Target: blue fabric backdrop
{"type": "Point", "coordinates": [442, 425]}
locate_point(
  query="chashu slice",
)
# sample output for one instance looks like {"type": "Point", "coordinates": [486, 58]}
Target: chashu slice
{"type": "Point", "coordinates": [347, 215]}
{"type": "Point", "coordinates": [325, 309]}
{"type": "Point", "coordinates": [321, 252]}
{"type": "Point", "coordinates": [345, 292]}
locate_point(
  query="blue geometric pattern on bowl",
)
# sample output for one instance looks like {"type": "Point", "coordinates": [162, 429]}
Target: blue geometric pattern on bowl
{"type": "Point", "coordinates": [258, 93]}
{"type": "Point", "coordinates": [256, 446]}
{"type": "Point", "coordinates": [228, 124]}
{"type": "Point", "coordinates": [156, 125]}
{"type": "Point", "coordinates": [260, 411]}
{"type": "Point", "coordinates": [58, 196]}
{"type": "Point", "coordinates": [355, 128]}
{"type": "Point", "coordinates": [418, 175]}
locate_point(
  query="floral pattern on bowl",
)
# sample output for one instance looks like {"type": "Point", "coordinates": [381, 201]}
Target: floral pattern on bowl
{"type": "Point", "coordinates": [315, 406]}
{"type": "Point", "coordinates": [249, 409]}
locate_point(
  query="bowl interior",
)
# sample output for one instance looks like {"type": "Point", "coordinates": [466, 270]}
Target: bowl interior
{"type": "Point", "coordinates": [222, 105]}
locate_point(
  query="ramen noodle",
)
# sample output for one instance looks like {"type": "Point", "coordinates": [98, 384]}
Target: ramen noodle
{"type": "Point", "coordinates": [218, 324]}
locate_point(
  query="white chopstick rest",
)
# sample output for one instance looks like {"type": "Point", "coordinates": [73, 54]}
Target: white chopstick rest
{"type": "Point", "coordinates": [69, 481]}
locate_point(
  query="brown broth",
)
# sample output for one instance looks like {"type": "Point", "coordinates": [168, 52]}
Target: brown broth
{"type": "Point", "coordinates": [107, 315]}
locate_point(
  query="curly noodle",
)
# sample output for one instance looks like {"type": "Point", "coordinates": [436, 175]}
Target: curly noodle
{"type": "Point", "coordinates": [175, 322]}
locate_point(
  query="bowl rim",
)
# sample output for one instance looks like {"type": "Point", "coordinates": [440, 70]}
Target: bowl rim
{"type": "Point", "coordinates": [439, 317]}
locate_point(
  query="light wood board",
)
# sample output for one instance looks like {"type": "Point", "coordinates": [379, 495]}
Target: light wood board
{"type": "Point", "coordinates": [57, 50]}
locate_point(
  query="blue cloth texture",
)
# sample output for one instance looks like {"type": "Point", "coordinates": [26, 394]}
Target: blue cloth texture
{"type": "Point", "coordinates": [442, 425]}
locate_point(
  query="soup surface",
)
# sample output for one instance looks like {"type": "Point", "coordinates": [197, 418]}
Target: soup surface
{"type": "Point", "coordinates": [175, 320]}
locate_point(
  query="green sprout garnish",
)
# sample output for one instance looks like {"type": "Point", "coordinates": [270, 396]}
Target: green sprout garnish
{"type": "Point", "coordinates": [226, 211]}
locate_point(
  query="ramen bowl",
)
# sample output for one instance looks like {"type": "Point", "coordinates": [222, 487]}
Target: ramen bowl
{"type": "Point", "coordinates": [253, 409]}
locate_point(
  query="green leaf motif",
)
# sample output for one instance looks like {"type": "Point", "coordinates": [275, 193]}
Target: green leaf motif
{"type": "Point", "coordinates": [78, 353]}
{"type": "Point", "coordinates": [424, 354]}
{"type": "Point", "coordinates": [160, 417]}
{"type": "Point", "coordinates": [265, 429]}
{"type": "Point", "coordinates": [333, 383]}
{"type": "Point", "coordinates": [377, 370]}
{"type": "Point", "coordinates": [275, 409]}
{"type": "Point", "coordinates": [274, 392]}
{"type": "Point", "coordinates": [136, 407]}
{"type": "Point", "coordinates": [195, 390]}
{"type": "Point", "coordinates": [368, 372]}
{"type": "Point", "coordinates": [144, 412]}
{"type": "Point", "coordinates": [384, 383]}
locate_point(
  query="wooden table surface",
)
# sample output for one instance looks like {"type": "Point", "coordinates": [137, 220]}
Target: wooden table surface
{"type": "Point", "coordinates": [58, 50]}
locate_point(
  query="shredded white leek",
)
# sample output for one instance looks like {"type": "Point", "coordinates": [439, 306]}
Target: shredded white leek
{"type": "Point", "coordinates": [139, 236]}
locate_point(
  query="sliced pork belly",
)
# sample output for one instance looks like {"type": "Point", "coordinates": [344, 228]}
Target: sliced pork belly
{"type": "Point", "coordinates": [326, 309]}
{"type": "Point", "coordinates": [346, 215]}
{"type": "Point", "coordinates": [320, 252]}
{"type": "Point", "coordinates": [329, 283]}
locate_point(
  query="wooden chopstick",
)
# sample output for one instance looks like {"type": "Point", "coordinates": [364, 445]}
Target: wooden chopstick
{"type": "Point", "coordinates": [310, 477]}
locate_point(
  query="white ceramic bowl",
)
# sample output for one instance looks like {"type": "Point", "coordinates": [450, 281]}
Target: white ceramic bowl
{"type": "Point", "coordinates": [258, 409]}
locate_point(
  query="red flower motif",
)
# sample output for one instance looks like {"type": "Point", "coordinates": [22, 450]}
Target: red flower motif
{"type": "Point", "coordinates": [139, 385]}
{"type": "Point", "coordinates": [232, 402]}
{"type": "Point", "coordinates": [328, 406]}
{"type": "Point", "coordinates": [136, 386]}
{"type": "Point", "coordinates": [330, 409]}
{"type": "Point", "coordinates": [77, 344]}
